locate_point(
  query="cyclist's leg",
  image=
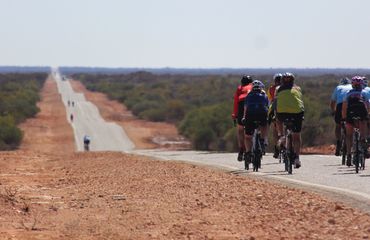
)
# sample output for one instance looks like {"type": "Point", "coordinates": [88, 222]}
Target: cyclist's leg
{"type": "Point", "coordinates": [240, 131]}
{"type": "Point", "coordinates": [349, 136]}
{"type": "Point", "coordinates": [296, 128]}
{"type": "Point", "coordinates": [338, 118]}
{"type": "Point", "coordinates": [249, 130]}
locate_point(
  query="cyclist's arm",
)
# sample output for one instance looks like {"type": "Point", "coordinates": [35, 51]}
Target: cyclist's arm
{"type": "Point", "coordinates": [234, 115]}
{"type": "Point", "coordinates": [333, 101]}
{"type": "Point", "coordinates": [333, 105]}
{"type": "Point", "coordinates": [245, 107]}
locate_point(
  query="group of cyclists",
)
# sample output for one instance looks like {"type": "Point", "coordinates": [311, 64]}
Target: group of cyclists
{"type": "Point", "coordinates": [86, 138]}
{"type": "Point", "coordinates": [350, 108]}
{"type": "Point", "coordinates": [256, 109]}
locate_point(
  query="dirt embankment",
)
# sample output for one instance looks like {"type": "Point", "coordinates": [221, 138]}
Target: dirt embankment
{"type": "Point", "coordinates": [64, 195]}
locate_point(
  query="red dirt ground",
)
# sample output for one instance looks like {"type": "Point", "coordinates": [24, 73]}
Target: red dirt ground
{"type": "Point", "coordinates": [49, 192]}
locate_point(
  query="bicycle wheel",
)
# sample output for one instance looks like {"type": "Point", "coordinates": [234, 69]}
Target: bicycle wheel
{"type": "Point", "coordinates": [356, 157]}
{"type": "Point", "coordinates": [290, 155]}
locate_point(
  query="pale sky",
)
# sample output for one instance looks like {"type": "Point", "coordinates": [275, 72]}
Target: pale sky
{"type": "Point", "coordinates": [186, 33]}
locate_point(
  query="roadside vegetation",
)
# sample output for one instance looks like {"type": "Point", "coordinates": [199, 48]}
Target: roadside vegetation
{"type": "Point", "coordinates": [19, 94]}
{"type": "Point", "coordinates": [201, 105]}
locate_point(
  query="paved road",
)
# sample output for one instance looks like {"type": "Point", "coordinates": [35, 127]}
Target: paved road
{"type": "Point", "coordinates": [320, 172]}
{"type": "Point", "coordinates": [105, 136]}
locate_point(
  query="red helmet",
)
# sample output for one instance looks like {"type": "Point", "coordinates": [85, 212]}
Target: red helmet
{"type": "Point", "coordinates": [357, 81]}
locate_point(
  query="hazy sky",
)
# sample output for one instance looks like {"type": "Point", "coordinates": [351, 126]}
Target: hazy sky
{"type": "Point", "coordinates": [185, 33]}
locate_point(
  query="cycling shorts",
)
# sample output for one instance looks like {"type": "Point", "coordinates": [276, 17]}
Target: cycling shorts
{"type": "Point", "coordinates": [295, 118]}
{"type": "Point", "coordinates": [240, 112]}
{"type": "Point", "coordinates": [338, 113]}
{"type": "Point", "coordinates": [253, 121]}
{"type": "Point", "coordinates": [356, 112]}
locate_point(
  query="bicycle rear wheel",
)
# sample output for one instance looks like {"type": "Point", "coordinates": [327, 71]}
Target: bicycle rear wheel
{"type": "Point", "coordinates": [290, 155]}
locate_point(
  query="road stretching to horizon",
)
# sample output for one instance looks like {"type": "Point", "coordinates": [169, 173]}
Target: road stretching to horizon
{"type": "Point", "coordinates": [322, 173]}
{"type": "Point", "coordinates": [105, 136]}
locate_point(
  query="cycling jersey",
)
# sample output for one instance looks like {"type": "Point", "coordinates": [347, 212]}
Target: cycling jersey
{"type": "Point", "coordinates": [256, 102]}
{"type": "Point", "coordinates": [357, 102]}
{"type": "Point", "coordinates": [289, 99]}
{"type": "Point", "coordinates": [239, 96]}
{"type": "Point", "coordinates": [340, 92]}
{"type": "Point", "coordinates": [271, 93]}
{"type": "Point", "coordinates": [367, 91]}
{"type": "Point", "coordinates": [356, 98]}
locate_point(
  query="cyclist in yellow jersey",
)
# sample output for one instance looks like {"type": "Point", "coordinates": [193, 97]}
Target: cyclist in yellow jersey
{"type": "Point", "coordinates": [289, 105]}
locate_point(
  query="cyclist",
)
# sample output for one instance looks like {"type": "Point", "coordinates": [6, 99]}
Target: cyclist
{"type": "Point", "coordinates": [71, 117]}
{"type": "Point", "coordinates": [238, 111]}
{"type": "Point", "coordinates": [255, 112]}
{"type": "Point", "coordinates": [336, 103]}
{"type": "Point", "coordinates": [356, 105]}
{"type": "Point", "coordinates": [289, 106]}
{"type": "Point", "coordinates": [272, 108]}
{"type": "Point", "coordinates": [367, 91]}
{"type": "Point", "coordinates": [86, 142]}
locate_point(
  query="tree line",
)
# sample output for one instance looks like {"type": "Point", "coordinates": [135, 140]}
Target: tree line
{"type": "Point", "coordinates": [19, 94]}
{"type": "Point", "coordinates": [201, 105]}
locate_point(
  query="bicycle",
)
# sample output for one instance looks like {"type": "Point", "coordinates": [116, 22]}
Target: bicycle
{"type": "Point", "coordinates": [86, 146]}
{"type": "Point", "coordinates": [288, 150]}
{"type": "Point", "coordinates": [257, 149]}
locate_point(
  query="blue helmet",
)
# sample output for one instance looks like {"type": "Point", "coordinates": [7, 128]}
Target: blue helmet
{"type": "Point", "coordinates": [345, 81]}
{"type": "Point", "coordinates": [257, 85]}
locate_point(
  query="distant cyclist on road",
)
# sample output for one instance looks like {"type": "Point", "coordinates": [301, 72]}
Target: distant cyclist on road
{"type": "Point", "coordinates": [87, 142]}
{"type": "Point", "coordinates": [255, 116]}
{"type": "Point", "coordinates": [289, 106]}
{"type": "Point", "coordinates": [272, 110]}
{"type": "Point", "coordinates": [336, 103]}
{"type": "Point", "coordinates": [356, 105]}
{"type": "Point", "coordinates": [238, 111]}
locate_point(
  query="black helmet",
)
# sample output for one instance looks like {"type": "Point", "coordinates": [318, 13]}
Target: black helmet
{"type": "Point", "coordinates": [277, 78]}
{"type": "Point", "coordinates": [246, 79]}
{"type": "Point", "coordinates": [288, 78]}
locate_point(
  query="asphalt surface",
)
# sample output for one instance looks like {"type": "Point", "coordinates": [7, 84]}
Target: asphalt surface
{"type": "Point", "coordinates": [105, 136]}
{"type": "Point", "coordinates": [321, 173]}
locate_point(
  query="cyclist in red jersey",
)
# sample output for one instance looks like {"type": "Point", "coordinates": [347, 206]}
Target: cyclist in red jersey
{"type": "Point", "coordinates": [238, 112]}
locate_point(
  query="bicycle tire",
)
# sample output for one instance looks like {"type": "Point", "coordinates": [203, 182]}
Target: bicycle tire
{"type": "Point", "coordinates": [290, 155]}
{"type": "Point", "coordinates": [356, 158]}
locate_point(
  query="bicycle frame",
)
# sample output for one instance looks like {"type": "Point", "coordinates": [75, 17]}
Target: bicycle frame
{"type": "Point", "coordinates": [256, 149]}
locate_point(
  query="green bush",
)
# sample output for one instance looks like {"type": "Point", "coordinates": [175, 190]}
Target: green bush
{"type": "Point", "coordinates": [10, 135]}
{"type": "Point", "coordinates": [18, 99]}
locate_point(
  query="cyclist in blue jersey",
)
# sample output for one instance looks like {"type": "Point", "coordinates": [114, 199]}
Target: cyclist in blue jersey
{"type": "Point", "coordinates": [336, 103]}
{"type": "Point", "coordinates": [255, 116]}
{"type": "Point", "coordinates": [366, 89]}
{"type": "Point", "coordinates": [356, 105]}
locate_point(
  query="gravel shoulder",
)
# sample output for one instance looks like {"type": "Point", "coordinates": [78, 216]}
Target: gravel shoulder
{"type": "Point", "coordinates": [50, 192]}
